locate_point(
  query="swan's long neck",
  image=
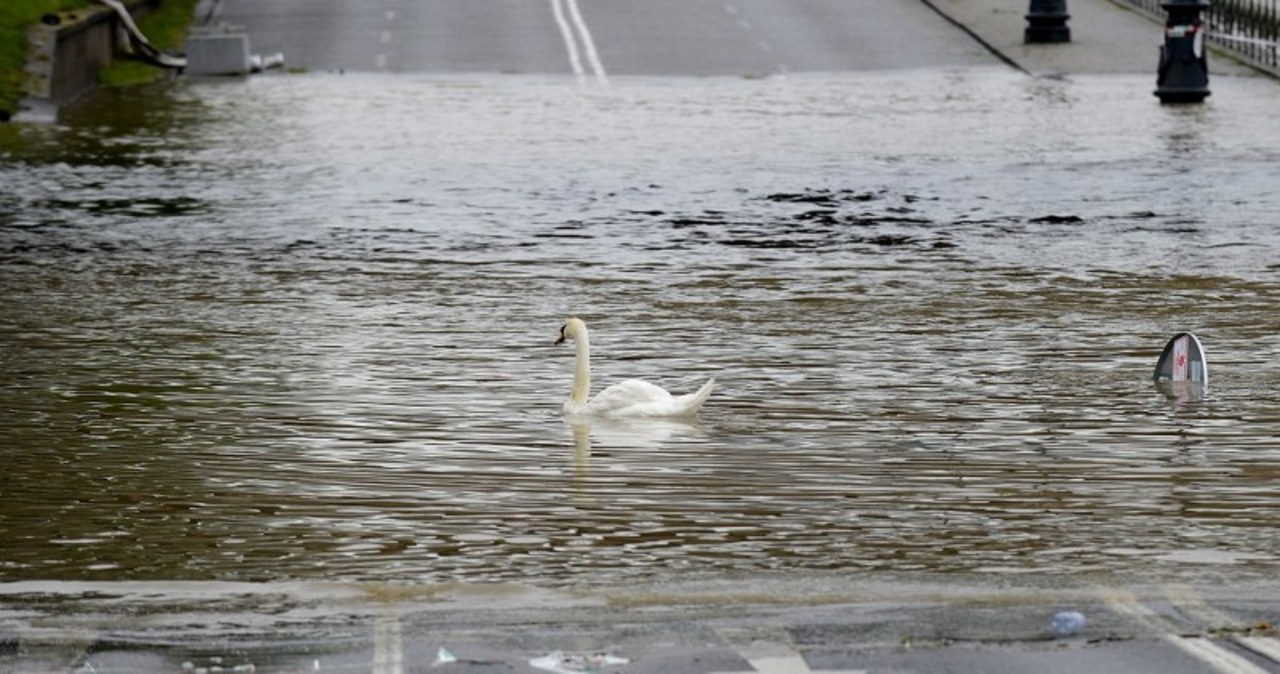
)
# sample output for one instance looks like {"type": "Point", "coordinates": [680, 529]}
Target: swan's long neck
{"type": "Point", "coordinates": [581, 373]}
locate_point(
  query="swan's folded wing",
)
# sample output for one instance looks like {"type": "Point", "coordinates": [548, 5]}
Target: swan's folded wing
{"type": "Point", "coordinates": [626, 395]}
{"type": "Point", "coordinates": [635, 398]}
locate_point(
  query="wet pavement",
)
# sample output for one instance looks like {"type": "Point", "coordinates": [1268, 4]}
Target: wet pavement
{"type": "Point", "coordinates": [599, 40]}
{"type": "Point", "coordinates": [1107, 36]}
{"type": "Point", "coordinates": [778, 625]}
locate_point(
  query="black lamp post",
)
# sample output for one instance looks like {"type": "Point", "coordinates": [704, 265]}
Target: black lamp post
{"type": "Point", "coordinates": [1047, 22]}
{"type": "Point", "coordinates": [1183, 74]}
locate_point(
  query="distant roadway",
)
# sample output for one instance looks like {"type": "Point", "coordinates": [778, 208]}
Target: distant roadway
{"type": "Point", "coordinates": [597, 39]}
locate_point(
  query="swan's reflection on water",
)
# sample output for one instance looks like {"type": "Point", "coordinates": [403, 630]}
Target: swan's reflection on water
{"type": "Point", "coordinates": [602, 435]}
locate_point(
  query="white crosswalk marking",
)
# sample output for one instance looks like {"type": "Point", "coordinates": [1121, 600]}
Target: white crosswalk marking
{"type": "Point", "coordinates": [1264, 646]}
{"type": "Point", "coordinates": [1186, 599]}
{"type": "Point", "coordinates": [787, 663]}
{"type": "Point", "coordinates": [388, 646]}
{"type": "Point", "coordinates": [1203, 649]}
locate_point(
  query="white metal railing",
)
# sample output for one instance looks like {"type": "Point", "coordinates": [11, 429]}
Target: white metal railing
{"type": "Point", "coordinates": [1248, 28]}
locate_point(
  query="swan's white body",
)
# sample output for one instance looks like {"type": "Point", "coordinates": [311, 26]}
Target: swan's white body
{"type": "Point", "coordinates": [630, 398]}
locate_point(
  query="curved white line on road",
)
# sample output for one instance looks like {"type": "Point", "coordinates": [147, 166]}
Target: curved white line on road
{"type": "Point", "coordinates": [575, 63]}
{"type": "Point", "coordinates": [589, 45]}
{"type": "Point", "coordinates": [567, 11]}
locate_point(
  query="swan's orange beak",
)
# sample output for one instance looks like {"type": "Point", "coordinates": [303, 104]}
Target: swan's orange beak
{"type": "Point", "coordinates": [560, 340]}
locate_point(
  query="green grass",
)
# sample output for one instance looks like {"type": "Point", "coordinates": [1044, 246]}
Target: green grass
{"type": "Point", "coordinates": [15, 17]}
{"type": "Point", "coordinates": [166, 29]}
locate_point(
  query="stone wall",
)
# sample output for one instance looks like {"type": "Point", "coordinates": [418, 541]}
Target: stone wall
{"type": "Point", "coordinates": [63, 58]}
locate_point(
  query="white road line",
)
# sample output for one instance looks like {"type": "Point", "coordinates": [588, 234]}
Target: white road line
{"type": "Point", "coordinates": [1214, 655]}
{"type": "Point", "coordinates": [1264, 646]}
{"type": "Point", "coordinates": [589, 45]}
{"type": "Point", "coordinates": [567, 13]}
{"type": "Point", "coordinates": [575, 63]}
{"type": "Point", "coordinates": [774, 657]}
{"type": "Point", "coordinates": [793, 664]}
{"type": "Point", "coordinates": [1204, 650]}
{"type": "Point", "coordinates": [1186, 599]}
{"type": "Point", "coordinates": [385, 38]}
{"type": "Point", "coordinates": [730, 9]}
{"type": "Point", "coordinates": [788, 664]}
{"type": "Point", "coordinates": [388, 646]}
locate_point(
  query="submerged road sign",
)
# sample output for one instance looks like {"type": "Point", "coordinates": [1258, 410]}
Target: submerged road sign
{"type": "Point", "coordinates": [1183, 360]}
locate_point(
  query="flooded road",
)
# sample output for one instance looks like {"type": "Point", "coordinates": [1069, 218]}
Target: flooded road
{"type": "Point", "coordinates": [300, 327]}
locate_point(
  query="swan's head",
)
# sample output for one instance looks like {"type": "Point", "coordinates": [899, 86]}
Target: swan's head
{"type": "Point", "coordinates": [573, 329]}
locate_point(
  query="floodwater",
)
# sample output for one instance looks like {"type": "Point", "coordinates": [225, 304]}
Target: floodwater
{"type": "Point", "coordinates": [301, 326]}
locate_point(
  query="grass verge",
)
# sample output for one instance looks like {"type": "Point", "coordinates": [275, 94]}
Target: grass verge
{"type": "Point", "coordinates": [165, 27]}
{"type": "Point", "coordinates": [15, 17]}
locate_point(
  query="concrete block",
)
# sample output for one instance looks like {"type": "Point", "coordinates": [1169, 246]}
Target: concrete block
{"type": "Point", "coordinates": [219, 52]}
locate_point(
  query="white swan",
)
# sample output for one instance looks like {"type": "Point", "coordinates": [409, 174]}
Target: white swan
{"type": "Point", "coordinates": [630, 398]}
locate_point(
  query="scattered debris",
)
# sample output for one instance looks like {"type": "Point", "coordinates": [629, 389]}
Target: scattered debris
{"type": "Point", "coordinates": [443, 657]}
{"type": "Point", "coordinates": [576, 663]}
{"type": "Point", "coordinates": [1067, 623]}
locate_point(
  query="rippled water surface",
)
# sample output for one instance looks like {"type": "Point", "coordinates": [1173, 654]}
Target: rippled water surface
{"type": "Point", "coordinates": [301, 327]}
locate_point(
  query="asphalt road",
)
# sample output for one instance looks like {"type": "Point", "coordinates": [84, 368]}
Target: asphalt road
{"type": "Point", "coordinates": [595, 39]}
{"type": "Point", "coordinates": [833, 624]}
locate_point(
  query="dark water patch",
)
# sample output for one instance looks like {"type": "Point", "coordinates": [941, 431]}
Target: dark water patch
{"type": "Point", "coordinates": [134, 207]}
{"type": "Point", "coordinates": [1056, 220]}
{"type": "Point", "coordinates": [825, 216]}
{"type": "Point", "coordinates": [842, 221]}
{"type": "Point", "coordinates": [888, 219]}
{"type": "Point", "coordinates": [1178, 229]}
{"type": "Point", "coordinates": [891, 240]}
{"type": "Point", "coordinates": [825, 197]}
{"type": "Point", "coordinates": [684, 222]}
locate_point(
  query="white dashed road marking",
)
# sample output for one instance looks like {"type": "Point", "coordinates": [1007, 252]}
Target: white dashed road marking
{"type": "Point", "coordinates": [788, 664]}
{"type": "Point", "coordinates": [388, 646]}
